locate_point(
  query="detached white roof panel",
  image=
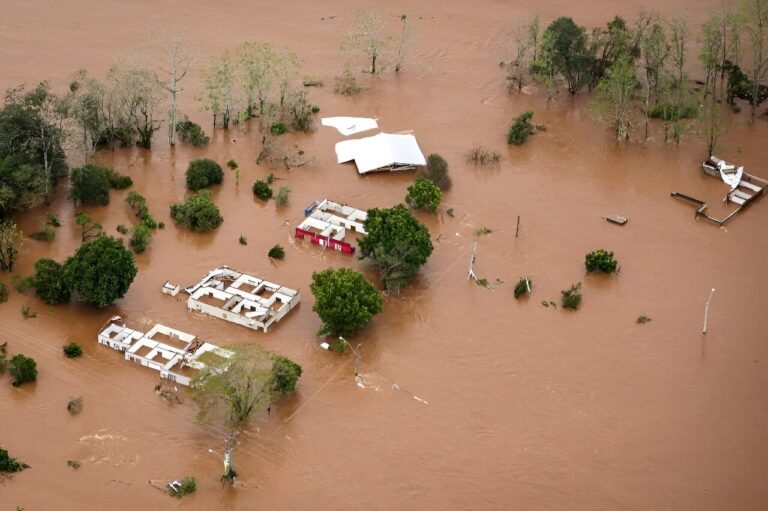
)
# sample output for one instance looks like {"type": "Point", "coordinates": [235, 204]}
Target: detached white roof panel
{"type": "Point", "coordinates": [382, 150]}
{"type": "Point", "coordinates": [350, 125]}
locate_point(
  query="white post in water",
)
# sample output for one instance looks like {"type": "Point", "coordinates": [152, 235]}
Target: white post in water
{"type": "Point", "coordinates": [471, 271]}
{"type": "Point", "coordinates": [706, 311]}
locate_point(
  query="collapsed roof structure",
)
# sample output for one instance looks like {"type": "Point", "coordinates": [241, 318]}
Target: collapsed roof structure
{"type": "Point", "coordinates": [241, 298]}
{"type": "Point", "coordinates": [175, 354]}
{"type": "Point", "coordinates": [327, 224]}
{"type": "Point", "coordinates": [385, 151]}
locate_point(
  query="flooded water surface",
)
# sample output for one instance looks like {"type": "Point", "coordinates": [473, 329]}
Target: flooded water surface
{"type": "Point", "coordinates": [469, 399]}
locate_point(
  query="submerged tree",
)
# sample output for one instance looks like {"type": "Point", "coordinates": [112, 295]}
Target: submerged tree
{"type": "Point", "coordinates": [142, 95]}
{"type": "Point", "coordinates": [219, 95]}
{"type": "Point", "coordinates": [49, 282]}
{"type": "Point", "coordinates": [406, 34]}
{"type": "Point", "coordinates": [615, 96]}
{"type": "Point", "coordinates": [230, 390]}
{"type": "Point", "coordinates": [100, 272]}
{"type": "Point", "coordinates": [756, 27]}
{"type": "Point", "coordinates": [178, 59]}
{"type": "Point", "coordinates": [255, 64]}
{"type": "Point", "coordinates": [344, 300]}
{"type": "Point", "coordinates": [11, 240]}
{"type": "Point", "coordinates": [564, 51]}
{"type": "Point", "coordinates": [367, 36]}
{"type": "Point", "coordinates": [397, 245]}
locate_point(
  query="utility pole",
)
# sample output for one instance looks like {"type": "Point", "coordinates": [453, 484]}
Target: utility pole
{"type": "Point", "coordinates": [357, 352]}
{"type": "Point", "coordinates": [706, 311]}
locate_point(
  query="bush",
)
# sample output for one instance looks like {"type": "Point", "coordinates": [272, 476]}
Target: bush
{"type": "Point", "coordinates": [197, 212]}
{"type": "Point", "coordinates": [53, 219]}
{"type": "Point", "coordinates": [670, 112]}
{"type": "Point", "coordinates": [72, 350]}
{"type": "Point", "coordinates": [118, 181]}
{"type": "Point", "coordinates": [601, 260]}
{"type": "Point", "coordinates": [140, 239]}
{"type": "Point", "coordinates": [521, 129]}
{"type": "Point", "coordinates": [90, 184]}
{"type": "Point", "coordinates": [203, 173]}
{"type": "Point", "coordinates": [424, 195]}
{"type": "Point", "coordinates": [243, 240]}
{"type": "Point", "coordinates": [27, 312]}
{"type": "Point", "coordinates": [47, 233]}
{"type": "Point", "coordinates": [49, 282]}
{"type": "Point", "coordinates": [483, 231]}
{"type": "Point", "coordinates": [344, 300]}
{"type": "Point", "coordinates": [185, 487]}
{"type": "Point", "coordinates": [276, 252]}
{"type": "Point", "coordinates": [283, 194]}
{"type": "Point", "coordinates": [572, 297]}
{"type": "Point", "coordinates": [232, 164]}
{"type": "Point", "coordinates": [192, 133]}
{"type": "Point", "coordinates": [262, 190]}
{"type": "Point", "coordinates": [9, 464]}
{"type": "Point", "coordinates": [437, 171]}
{"type": "Point", "coordinates": [22, 284]}
{"type": "Point", "coordinates": [278, 128]}
{"type": "Point", "coordinates": [285, 375]}
{"type": "Point", "coordinates": [397, 245]}
{"type": "Point", "coordinates": [75, 405]}
{"type": "Point", "coordinates": [100, 272]}
{"type": "Point", "coordinates": [3, 292]}
{"type": "Point", "coordinates": [22, 369]}
{"type": "Point", "coordinates": [122, 229]}
{"type": "Point", "coordinates": [523, 286]}
{"type": "Point", "coordinates": [73, 463]}
{"type": "Point", "coordinates": [481, 156]}
{"type": "Point", "coordinates": [346, 84]}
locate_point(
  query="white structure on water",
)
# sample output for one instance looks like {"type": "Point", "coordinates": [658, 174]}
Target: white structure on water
{"type": "Point", "coordinates": [328, 222]}
{"type": "Point", "coordinates": [176, 355]}
{"type": "Point", "coordinates": [241, 298]}
{"type": "Point", "coordinates": [385, 151]}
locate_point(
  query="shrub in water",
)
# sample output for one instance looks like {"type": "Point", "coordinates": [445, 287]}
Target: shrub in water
{"type": "Point", "coordinates": [276, 252]}
{"type": "Point", "coordinates": [9, 464]}
{"type": "Point", "coordinates": [197, 212]}
{"type": "Point", "coordinates": [203, 173]}
{"type": "Point", "coordinates": [140, 239]}
{"type": "Point", "coordinates": [53, 219]}
{"type": "Point", "coordinates": [183, 487]}
{"type": "Point", "coordinates": [49, 282]}
{"type": "Point", "coordinates": [22, 369]}
{"type": "Point", "coordinates": [262, 190]}
{"type": "Point", "coordinates": [47, 233]}
{"type": "Point", "coordinates": [72, 350]}
{"type": "Point", "coordinates": [523, 286]}
{"type": "Point", "coordinates": [278, 128]}
{"type": "Point", "coordinates": [283, 194]}
{"type": "Point", "coordinates": [75, 405]}
{"type": "Point", "coordinates": [437, 171]}
{"type": "Point", "coordinates": [601, 260]}
{"type": "Point", "coordinates": [423, 194]}
{"type": "Point", "coordinates": [192, 133]}
{"type": "Point", "coordinates": [572, 296]}
{"type": "Point", "coordinates": [3, 292]}
{"type": "Point", "coordinates": [521, 129]}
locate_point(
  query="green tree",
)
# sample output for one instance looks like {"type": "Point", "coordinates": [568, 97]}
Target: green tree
{"type": "Point", "coordinates": [276, 252]}
{"type": "Point", "coordinates": [22, 184]}
{"type": "Point", "coordinates": [285, 375]}
{"type": "Point", "coordinates": [564, 51]}
{"type": "Point", "coordinates": [571, 298]}
{"type": "Point", "coordinates": [90, 228]}
{"type": "Point", "coordinates": [397, 245]}
{"type": "Point", "coordinates": [423, 194]}
{"type": "Point", "coordinates": [520, 129]}
{"type": "Point", "coordinates": [192, 133]}
{"type": "Point", "coordinates": [49, 282]}
{"type": "Point", "coordinates": [22, 369]}
{"type": "Point", "coordinates": [219, 95]}
{"type": "Point", "coordinates": [344, 300]}
{"type": "Point", "coordinates": [615, 96]}
{"type": "Point", "coordinates": [203, 173]}
{"type": "Point", "coordinates": [140, 239]}
{"type": "Point", "coordinates": [90, 184]}
{"type": "Point", "coordinates": [100, 272]}
{"type": "Point", "coordinates": [72, 350]}
{"type": "Point", "coordinates": [255, 69]}
{"type": "Point", "coordinates": [229, 391]}
{"type": "Point", "coordinates": [756, 27]}
{"type": "Point", "coordinates": [11, 240]}
{"type": "Point", "coordinates": [9, 464]}
{"type": "Point", "coordinates": [197, 212]}
{"type": "Point", "coordinates": [262, 190]}
{"type": "Point", "coordinates": [600, 260]}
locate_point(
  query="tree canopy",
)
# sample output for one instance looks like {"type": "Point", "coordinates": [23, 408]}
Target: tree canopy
{"type": "Point", "coordinates": [424, 194]}
{"type": "Point", "coordinates": [22, 369]}
{"type": "Point", "coordinates": [49, 282]}
{"type": "Point", "coordinates": [90, 184]}
{"type": "Point", "coordinates": [397, 245]}
{"type": "Point", "coordinates": [100, 272]}
{"type": "Point", "coordinates": [344, 300]}
{"type": "Point", "coordinates": [197, 212]}
{"type": "Point", "coordinates": [203, 173]}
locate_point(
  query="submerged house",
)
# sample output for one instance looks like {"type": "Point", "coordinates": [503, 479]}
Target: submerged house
{"type": "Point", "coordinates": [381, 152]}
{"type": "Point", "coordinates": [176, 355]}
{"type": "Point", "coordinates": [328, 222]}
{"type": "Point", "coordinates": [241, 298]}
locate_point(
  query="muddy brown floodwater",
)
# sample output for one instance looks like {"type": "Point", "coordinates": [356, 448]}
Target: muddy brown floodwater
{"type": "Point", "coordinates": [520, 406]}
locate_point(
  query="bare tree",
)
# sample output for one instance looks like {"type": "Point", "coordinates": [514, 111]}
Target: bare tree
{"type": "Point", "coordinates": [368, 36]}
{"type": "Point", "coordinates": [516, 67]}
{"type": "Point", "coordinates": [756, 27]}
{"type": "Point", "coordinates": [255, 74]}
{"type": "Point", "coordinates": [84, 99]}
{"type": "Point", "coordinates": [616, 96]}
{"type": "Point", "coordinates": [534, 36]}
{"type": "Point", "coordinates": [712, 122]}
{"type": "Point", "coordinates": [655, 51]}
{"type": "Point", "coordinates": [711, 51]}
{"type": "Point", "coordinates": [679, 79]}
{"type": "Point", "coordinates": [178, 58]}
{"type": "Point", "coordinates": [141, 94]}
{"type": "Point", "coordinates": [406, 34]}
